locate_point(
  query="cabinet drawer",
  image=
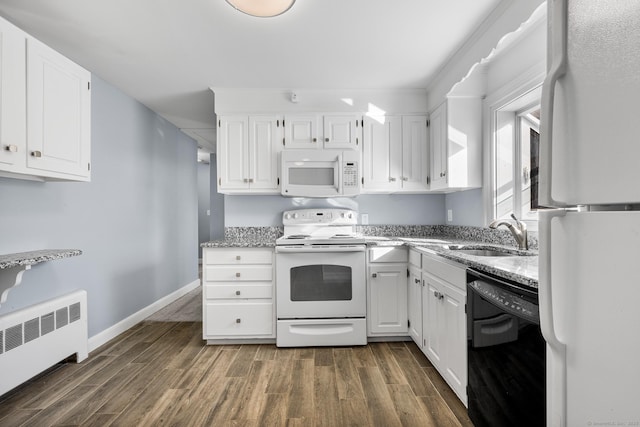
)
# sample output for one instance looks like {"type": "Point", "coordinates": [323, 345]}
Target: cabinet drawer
{"type": "Point", "coordinates": [232, 273]}
{"type": "Point", "coordinates": [238, 319]}
{"type": "Point", "coordinates": [388, 254]}
{"type": "Point", "coordinates": [450, 271]}
{"type": "Point", "coordinates": [220, 291]}
{"type": "Point", "coordinates": [238, 256]}
{"type": "Point", "coordinates": [415, 258]}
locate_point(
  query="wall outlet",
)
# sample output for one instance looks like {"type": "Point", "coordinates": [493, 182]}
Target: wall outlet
{"type": "Point", "coordinates": [449, 215]}
{"type": "Point", "coordinates": [364, 219]}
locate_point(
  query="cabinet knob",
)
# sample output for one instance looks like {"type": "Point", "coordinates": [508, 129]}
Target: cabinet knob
{"type": "Point", "coordinates": [238, 257]}
{"type": "Point", "coordinates": [238, 320]}
{"type": "Point", "coordinates": [416, 280]}
{"type": "Point", "coordinates": [237, 274]}
{"type": "Point", "coordinates": [315, 140]}
{"type": "Point", "coordinates": [404, 178]}
{"type": "Point", "coordinates": [391, 179]}
{"type": "Point", "coordinates": [11, 148]}
{"type": "Point", "coordinates": [36, 153]}
{"type": "Point", "coordinates": [326, 140]}
{"type": "Point", "coordinates": [374, 275]}
{"type": "Point", "coordinates": [250, 180]}
{"type": "Point", "coordinates": [247, 179]}
{"type": "Point", "coordinates": [237, 292]}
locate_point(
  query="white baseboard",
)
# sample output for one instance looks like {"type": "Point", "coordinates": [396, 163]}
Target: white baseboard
{"type": "Point", "coordinates": [115, 330]}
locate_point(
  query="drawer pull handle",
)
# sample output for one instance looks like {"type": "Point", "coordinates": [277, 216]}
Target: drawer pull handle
{"type": "Point", "coordinates": [416, 280]}
{"type": "Point", "coordinates": [374, 275]}
{"type": "Point", "coordinates": [238, 320]}
{"type": "Point", "coordinates": [237, 274]}
{"type": "Point", "coordinates": [11, 148]}
{"type": "Point", "coordinates": [238, 257]}
{"type": "Point", "coordinates": [36, 153]}
{"type": "Point", "coordinates": [237, 292]}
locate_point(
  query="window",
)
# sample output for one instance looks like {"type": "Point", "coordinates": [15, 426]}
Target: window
{"type": "Point", "coordinates": [516, 142]}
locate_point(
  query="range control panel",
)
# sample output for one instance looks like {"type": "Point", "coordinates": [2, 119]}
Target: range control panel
{"type": "Point", "coordinates": [320, 216]}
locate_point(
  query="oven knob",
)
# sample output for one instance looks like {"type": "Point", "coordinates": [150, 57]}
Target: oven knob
{"type": "Point", "coordinates": [342, 214]}
{"type": "Point", "coordinates": [350, 216]}
{"type": "Point", "coordinates": [287, 216]}
{"type": "Point", "coordinates": [295, 216]}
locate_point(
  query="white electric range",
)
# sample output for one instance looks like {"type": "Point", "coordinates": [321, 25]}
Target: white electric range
{"type": "Point", "coordinates": [320, 279]}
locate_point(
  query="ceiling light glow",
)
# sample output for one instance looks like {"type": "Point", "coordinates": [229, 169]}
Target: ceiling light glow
{"type": "Point", "coordinates": [262, 8]}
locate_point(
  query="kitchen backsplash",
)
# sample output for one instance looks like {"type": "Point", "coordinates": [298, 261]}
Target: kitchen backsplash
{"type": "Point", "coordinates": [488, 235]}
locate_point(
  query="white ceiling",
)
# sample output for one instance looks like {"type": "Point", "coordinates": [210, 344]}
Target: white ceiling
{"type": "Point", "coordinates": [167, 53]}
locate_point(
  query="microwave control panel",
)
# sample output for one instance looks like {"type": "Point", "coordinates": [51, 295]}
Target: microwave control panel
{"type": "Point", "coordinates": [350, 174]}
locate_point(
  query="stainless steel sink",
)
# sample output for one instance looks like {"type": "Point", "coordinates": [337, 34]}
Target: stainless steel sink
{"type": "Point", "coordinates": [488, 251]}
{"type": "Point", "coordinates": [484, 252]}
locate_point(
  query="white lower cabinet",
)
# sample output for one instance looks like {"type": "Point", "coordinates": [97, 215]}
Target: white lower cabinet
{"type": "Point", "coordinates": [414, 297]}
{"type": "Point", "coordinates": [442, 335]}
{"type": "Point", "coordinates": [238, 294]}
{"type": "Point", "coordinates": [387, 292]}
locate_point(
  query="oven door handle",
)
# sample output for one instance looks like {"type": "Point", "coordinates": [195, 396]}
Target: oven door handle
{"type": "Point", "coordinates": [319, 248]}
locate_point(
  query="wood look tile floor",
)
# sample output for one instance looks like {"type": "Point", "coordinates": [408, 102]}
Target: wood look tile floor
{"type": "Point", "coordinates": [162, 373]}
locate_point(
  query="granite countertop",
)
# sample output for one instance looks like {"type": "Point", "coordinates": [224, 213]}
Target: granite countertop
{"type": "Point", "coordinates": [521, 269]}
{"type": "Point", "coordinates": [35, 257]}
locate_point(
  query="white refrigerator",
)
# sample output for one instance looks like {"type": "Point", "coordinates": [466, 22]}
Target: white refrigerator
{"type": "Point", "coordinates": [589, 286]}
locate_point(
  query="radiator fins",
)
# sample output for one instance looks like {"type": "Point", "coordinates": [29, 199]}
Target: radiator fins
{"type": "Point", "coordinates": [22, 333]}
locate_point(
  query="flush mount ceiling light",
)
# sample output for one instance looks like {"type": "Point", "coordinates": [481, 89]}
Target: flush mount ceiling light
{"type": "Point", "coordinates": [262, 8]}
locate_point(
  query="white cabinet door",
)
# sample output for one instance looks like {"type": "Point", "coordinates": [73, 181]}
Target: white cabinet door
{"type": "Point", "coordinates": [455, 339]}
{"type": "Point", "coordinates": [382, 152]}
{"type": "Point", "coordinates": [433, 318]}
{"type": "Point", "coordinates": [58, 113]}
{"type": "Point", "coordinates": [12, 97]}
{"type": "Point", "coordinates": [342, 131]}
{"type": "Point", "coordinates": [264, 146]}
{"type": "Point", "coordinates": [415, 158]}
{"type": "Point", "coordinates": [438, 139]}
{"type": "Point", "coordinates": [301, 131]}
{"type": "Point", "coordinates": [414, 304]}
{"type": "Point", "coordinates": [387, 314]}
{"type": "Point", "coordinates": [233, 152]}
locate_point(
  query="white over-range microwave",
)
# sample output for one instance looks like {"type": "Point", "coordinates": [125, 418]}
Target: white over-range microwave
{"type": "Point", "coordinates": [320, 173]}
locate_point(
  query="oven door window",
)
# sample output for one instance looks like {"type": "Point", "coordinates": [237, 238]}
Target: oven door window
{"type": "Point", "coordinates": [321, 283]}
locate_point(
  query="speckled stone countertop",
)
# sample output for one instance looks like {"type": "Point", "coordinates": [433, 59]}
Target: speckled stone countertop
{"type": "Point", "coordinates": [35, 257]}
{"type": "Point", "coordinates": [522, 267]}
{"type": "Point", "coordinates": [433, 239]}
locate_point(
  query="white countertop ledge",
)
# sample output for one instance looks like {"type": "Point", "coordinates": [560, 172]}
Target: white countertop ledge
{"type": "Point", "coordinates": [13, 266]}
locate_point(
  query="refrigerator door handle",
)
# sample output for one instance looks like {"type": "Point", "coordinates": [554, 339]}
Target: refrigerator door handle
{"type": "Point", "coordinates": [557, 11]}
{"type": "Point", "coordinates": [556, 374]}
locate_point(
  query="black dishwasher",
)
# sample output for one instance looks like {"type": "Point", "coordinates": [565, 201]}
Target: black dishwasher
{"type": "Point", "coordinates": [506, 353]}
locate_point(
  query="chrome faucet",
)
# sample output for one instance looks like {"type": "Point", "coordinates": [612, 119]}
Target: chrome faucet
{"type": "Point", "coordinates": [519, 230]}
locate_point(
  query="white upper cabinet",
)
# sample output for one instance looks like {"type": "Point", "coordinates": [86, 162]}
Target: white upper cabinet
{"type": "Point", "coordinates": [382, 152]}
{"type": "Point", "coordinates": [248, 148]}
{"type": "Point", "coordinates": [301, 131]}
{"type": "Point", "coordinates": [456, 144]}
{"type": "Point", "coordinates": [13, 128]}
{"type": "Point", "coordinates": [415, 153]}
{"type": "Point", "coordinates": [395, 152]}
{"type": "Point", "coordinates": [315, 131]}
{"type": "Point", "coordinates": [58, 113]}
{"type": "Point", "coordinates": [45, 112]}
{"type": "Point", "coordinates": [342, 131]}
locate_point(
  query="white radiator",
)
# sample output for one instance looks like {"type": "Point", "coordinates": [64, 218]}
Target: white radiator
{"type": "Point", "coordinates": [37, 337]}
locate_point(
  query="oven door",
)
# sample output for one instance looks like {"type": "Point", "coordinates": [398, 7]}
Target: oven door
{"type": "Point", "coordinates": [320, 281]}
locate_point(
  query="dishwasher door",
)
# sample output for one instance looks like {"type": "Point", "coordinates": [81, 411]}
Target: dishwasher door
{"type": "Point", "coordinates": [506, 354]}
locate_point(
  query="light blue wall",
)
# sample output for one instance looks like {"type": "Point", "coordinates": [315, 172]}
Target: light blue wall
{"type": "Point", "coordinates": [262, 211]}
{"type": "Point", "coordinates": [204, 196]}
{"type": "Point", "coordinates": [467, 208]}
{"type": "Point", "coordinates": [136, 221]}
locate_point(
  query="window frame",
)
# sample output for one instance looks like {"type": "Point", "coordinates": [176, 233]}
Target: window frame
{"type": "Point", "coordinates": [526, 92]}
